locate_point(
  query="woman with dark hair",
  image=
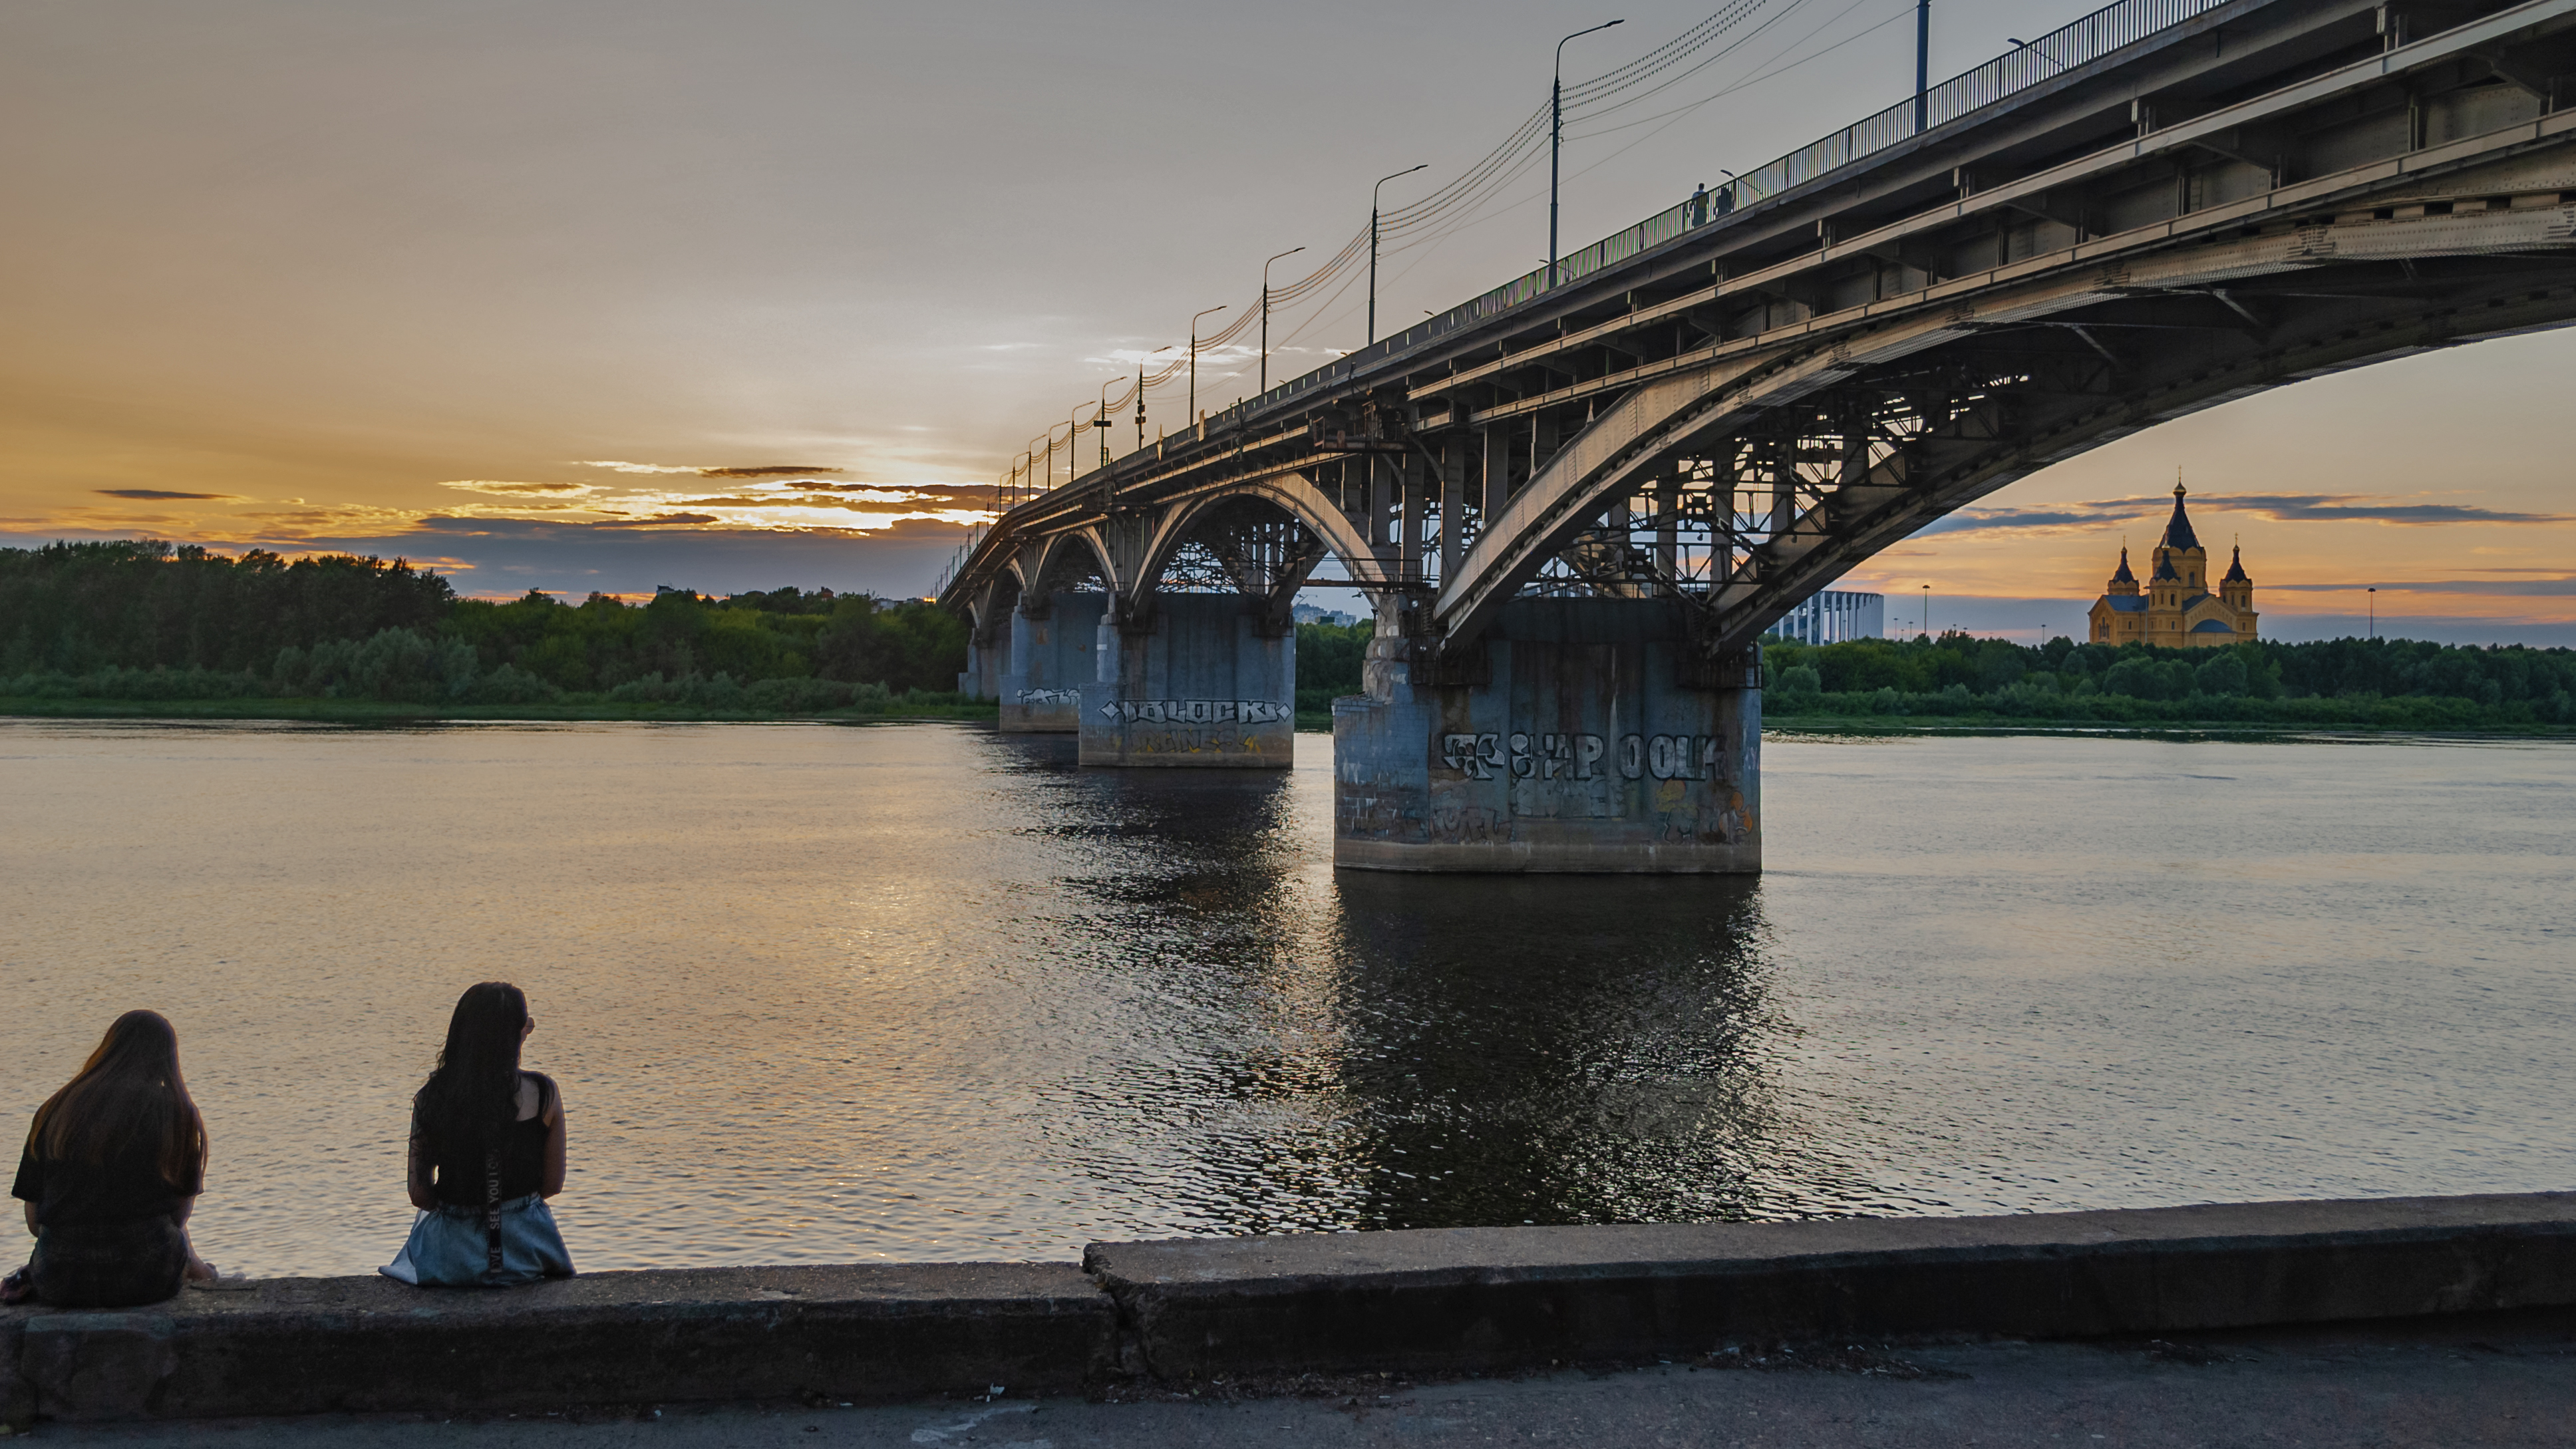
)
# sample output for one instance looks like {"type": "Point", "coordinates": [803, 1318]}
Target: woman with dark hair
{"type": "Point", "coordinates": [487, 1150]}
{"type": "Point", "coordinates": [113, 1164]}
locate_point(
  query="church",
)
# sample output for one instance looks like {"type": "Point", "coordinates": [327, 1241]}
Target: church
{"type": "Point", "coordinates": [2177, 611]}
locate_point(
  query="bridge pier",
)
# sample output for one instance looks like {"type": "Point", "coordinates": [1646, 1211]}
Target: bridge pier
{"type": "Point", "coordinates": [985, 664]}
{"type": "Point", "coordinates": [1050, 658]}
{"type": "Point", "coordinates": [1577, 735]}
{"type": "Point", "coordinates": [1195, 682]}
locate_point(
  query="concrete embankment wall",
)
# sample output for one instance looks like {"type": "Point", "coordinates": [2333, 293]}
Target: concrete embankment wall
{"type": "Point", "coordinates": [1426, 1301]}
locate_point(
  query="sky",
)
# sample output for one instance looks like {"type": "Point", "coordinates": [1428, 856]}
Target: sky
{"type": "Point", "coordinates": [580, 295]}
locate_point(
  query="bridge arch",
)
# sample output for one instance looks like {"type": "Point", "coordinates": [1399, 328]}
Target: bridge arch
{"type": "Point", "coordinates": [1948, 404]}
{"type": "Point", "coordinates": [1286, 496]}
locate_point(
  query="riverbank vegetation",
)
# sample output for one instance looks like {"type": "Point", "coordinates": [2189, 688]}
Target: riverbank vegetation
{"type": "Point", "coordinates": [2380, 684]}
{"type": "Point", "coordinates": [2391, 684]}
{"type": "Point", "coordinates": [148, 628]}
{"type": "Point", "coordinates": [145, 628]}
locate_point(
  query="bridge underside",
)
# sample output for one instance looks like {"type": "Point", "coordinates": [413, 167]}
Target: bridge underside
{"type": "Point", "coordinates": [1728, 422]}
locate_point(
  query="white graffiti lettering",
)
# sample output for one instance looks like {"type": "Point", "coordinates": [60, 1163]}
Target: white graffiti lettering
{"type": "Point", "coordinates": [1672, 757]}
{"type": "Point", "coordinates": [1197, 711]}
{"type": "Point", "coordinates": [1050, 696]}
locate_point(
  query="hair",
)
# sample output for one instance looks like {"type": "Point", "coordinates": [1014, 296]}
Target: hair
{"type": "Point", "coordinates": [473, 1092]}
{"type": "Point", "coordinates": [128, 1094]}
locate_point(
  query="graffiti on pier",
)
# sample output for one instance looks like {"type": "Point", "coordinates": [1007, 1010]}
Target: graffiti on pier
{"type": "Point", "coordinates": [1522, 756]}
{"type": "Point", "coordinates": [1197, 711]}
{"type": "Point", "coordinates": [1050, 696]}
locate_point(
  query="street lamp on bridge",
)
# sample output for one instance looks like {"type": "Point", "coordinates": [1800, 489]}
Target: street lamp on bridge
{"type": "Point", "coordinates": [1194, 364]}
{"type": "Point", "coordinates": [1100, 419]}
{"type": "Point", "coordinates": [1381, 181]}
{"type": "Point", "coordinates": [1556, 139]}
{"type": "Point", "coordinates": [1265, 314]}
{"type": "Point", "coordinates": [1140, 402]}
{"type": "Point", "coordinates": [1050, 453]}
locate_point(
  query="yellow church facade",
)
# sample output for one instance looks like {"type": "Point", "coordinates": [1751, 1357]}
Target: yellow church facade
{"type": "Point", "coordinates": [2175, 609]}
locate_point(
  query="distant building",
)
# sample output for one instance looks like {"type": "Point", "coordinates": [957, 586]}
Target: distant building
{"type": "Point", "coordinates": [1309, 614]}
{"type": "Point", "coordinates": [1832, 617]}
{"type": "Point", "coordinates": [2177, 611]}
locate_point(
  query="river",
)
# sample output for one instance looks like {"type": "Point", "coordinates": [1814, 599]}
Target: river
{"type": "Point", "coordinates": [924, 991]}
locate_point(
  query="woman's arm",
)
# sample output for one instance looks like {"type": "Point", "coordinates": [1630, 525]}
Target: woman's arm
{"type": "Point", "coordinates": [416, 1173]}
{"type": "Point", "coordinates": [551, 1181]}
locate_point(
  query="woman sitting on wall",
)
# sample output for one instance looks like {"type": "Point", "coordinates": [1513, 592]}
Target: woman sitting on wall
{"type": "Point", "coordinates": [487, 1150]}
{"type": "Point", "coordinates": [113, 1164]}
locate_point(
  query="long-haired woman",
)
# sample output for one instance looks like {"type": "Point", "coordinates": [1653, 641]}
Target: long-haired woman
{"type": "Point", "coordinates": [487, 1150]}
{"type": "Point", "coordinates": [113, 1164]}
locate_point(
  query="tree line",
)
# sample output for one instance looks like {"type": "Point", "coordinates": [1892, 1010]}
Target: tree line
{"type": "Point", "coordinates": [146, 619]}
{"type": "Point", "coordinates": [2389, 683]}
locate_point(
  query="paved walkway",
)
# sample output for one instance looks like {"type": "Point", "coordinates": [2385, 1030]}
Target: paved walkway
{"type": "Point", "coordinates": [2496, 1381]}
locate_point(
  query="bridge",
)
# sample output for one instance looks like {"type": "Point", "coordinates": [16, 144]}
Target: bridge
{"type": "Point", "coordinates": [1577, 501]}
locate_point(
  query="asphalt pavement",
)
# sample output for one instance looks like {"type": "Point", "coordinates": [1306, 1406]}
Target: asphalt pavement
{"type": "Point", "coordinates": [2488, 1380]}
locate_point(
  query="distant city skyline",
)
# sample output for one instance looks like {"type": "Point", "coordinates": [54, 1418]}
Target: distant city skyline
{"type": "Point", "coordinates": [596, 296]}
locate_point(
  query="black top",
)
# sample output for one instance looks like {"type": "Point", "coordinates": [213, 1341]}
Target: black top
{"type": "Point", "coordinates": [127, 1188]}
{"type": "Point", "coordinates": [457, 1169]}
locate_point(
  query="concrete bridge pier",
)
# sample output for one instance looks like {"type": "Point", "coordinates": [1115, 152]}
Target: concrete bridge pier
{"type": "Point", "coordinates": [988, 658]}
{"type": "Point", "coordinates": [1577, 735]}
{"type": "Point", "coordinates": [1051, 644]}
{"type": "Point", "coordinates": [1191, 680]}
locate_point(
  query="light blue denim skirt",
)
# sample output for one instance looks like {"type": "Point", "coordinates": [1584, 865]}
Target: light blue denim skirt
{"type": "Point", "coordinates": [450, 1247]}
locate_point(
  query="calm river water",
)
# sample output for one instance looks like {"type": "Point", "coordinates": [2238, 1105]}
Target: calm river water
{"type": "Point", "coordinates": [924, 991]}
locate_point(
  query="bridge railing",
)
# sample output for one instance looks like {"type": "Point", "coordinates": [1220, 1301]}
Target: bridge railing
{"type": "Point", "coordinates": [2077, 43]}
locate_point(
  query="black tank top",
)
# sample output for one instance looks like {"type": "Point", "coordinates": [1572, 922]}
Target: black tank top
{"type": "Point", "coordinates": [460, 1169]}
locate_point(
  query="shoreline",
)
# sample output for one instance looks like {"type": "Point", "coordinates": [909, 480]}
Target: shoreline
{"type": "Point", "coordinates": [376, 712]}
{"type": "Point", "coordinates": [362, 713]}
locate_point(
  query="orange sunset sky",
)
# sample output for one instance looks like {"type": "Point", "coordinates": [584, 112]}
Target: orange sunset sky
{"type": "Point", "coordinates": [604, 296]}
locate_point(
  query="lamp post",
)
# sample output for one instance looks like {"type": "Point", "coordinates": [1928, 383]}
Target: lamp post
{"type": "Point", "coordinates": [1923, 61]}
{"type": "Point", "coordinates": [1556, 138]}
{"type": "Point", "coordinates": [1072, 431]}
{"type": "Point", "coordinates": [1100, 420]}
{"type": "Point", "coordinates": [1047, 440]}
{"type": "Point", "coordinates": [1927, 612]}
{"type": "Point", "coordinates": [1265, 315]}
{"type": "Point", "coordinates": [1372, 305]}
{"type": "Point", "coordinates": [2374, 611]}
{"type": "Point", "coordinates": [1140, 397]}
{"type": "Point", "coordinates": [1194, 362]}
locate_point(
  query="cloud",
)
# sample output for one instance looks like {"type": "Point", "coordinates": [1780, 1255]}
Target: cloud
{"type": "Point", "coordinates": [783, 470]}
{"type": "Point", "coordinates": [512, 490]}
{"type": "Point", "coordinates": [616, 467]}
{"type": "Point", "coordinates": [2359, 508]}
{"type": "Point", "coordinates": [2560, 587]}
{"type": "Point", "coordinates": [683, 518]}
{"type": "Point", "coordinates": [505, 557]}
{"type": "Point", "coordinates": [2094, 515]}
{"type": "Point", "coordinates": [162, 493]}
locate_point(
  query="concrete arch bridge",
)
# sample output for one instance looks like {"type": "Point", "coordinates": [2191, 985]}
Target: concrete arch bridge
{"type": "Point", "coordinates": [1577, 501]}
